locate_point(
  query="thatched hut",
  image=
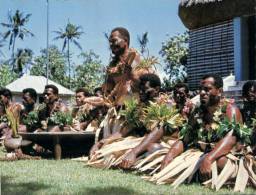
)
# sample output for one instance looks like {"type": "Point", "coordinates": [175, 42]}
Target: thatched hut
{"type": "Point", "coordinates": [222, 38]}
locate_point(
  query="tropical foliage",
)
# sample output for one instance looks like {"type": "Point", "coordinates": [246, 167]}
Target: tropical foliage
{"type": "Point", "coordinates": [16, 29]}
{"type": "Point", "coordinates": [6, 75]}
{"type": "Point", "coordinates": [57, 66]}
{"type": "Point", "coordinates": [143, 41]}
{"type": "Point", "coordinates": [31, 120]}
{"type": "Point", "coordinates": [61, 119]}
{"type": "Point", "coordinates": [147, 63]}
{"type": "Point", "coordinates": [163, 115]}
{"type": "Point", "coordinates": [174, 51]}
{"type": "Point", "coordinates": [242, 132]}
{"type": "Point", "coordinates": [22, 59]}
{"type": "Point", "coordinates": [70, 34]}
{"type": "Point", "coordinates": [13, 119]}
{"type": "Point", "coordinates": [89, 74]}
{"type": "Point", "coordinates": [132, 112]}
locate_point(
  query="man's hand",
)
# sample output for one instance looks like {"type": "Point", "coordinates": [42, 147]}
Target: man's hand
{"type": "Point", "coordinates": [128, 161]}
{"type": "Point", "coordinates": [95, 148]}
{"type": "Point", "coordinates": [167, 160]}
{"type": "Point", "coordinates": [76, 126]}
{"type": "Point", "coordinates": [205, 168]}
{"type": "Point", "coordinates": [113, 70]}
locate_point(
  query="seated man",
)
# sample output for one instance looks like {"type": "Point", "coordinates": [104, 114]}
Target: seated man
{"type": "Point", "coordinates": [149, 88]}
{"type": "Point", "coordinates": [249, 109]}
{"type": "Point", "coordinates": [10, 109]}
{"type": "Point", "coordinates": [202, 124]}
{"type": "Point", "coordinates": [81, 111]}
{"type": "Point", "coordinates": [51, 108]}
{"type": "Point", "coordinates": [29, 98]}
{"type": "Point", "coordinates": [151, 141]}
{"type": "Point", "coordinates": [249, 102]}
{"type": "Point", "coordinates": [180, 95]}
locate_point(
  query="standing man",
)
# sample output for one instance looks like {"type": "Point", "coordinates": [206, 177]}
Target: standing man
{"type": "Point", "coordinates": [122, 76]}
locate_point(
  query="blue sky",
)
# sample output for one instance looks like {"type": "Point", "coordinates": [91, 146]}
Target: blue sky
{"type": "Point", "coordinates": [157, 17]}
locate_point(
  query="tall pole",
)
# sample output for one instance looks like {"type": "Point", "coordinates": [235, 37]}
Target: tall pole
{"type": "Point", "coordinates": [47, 44]}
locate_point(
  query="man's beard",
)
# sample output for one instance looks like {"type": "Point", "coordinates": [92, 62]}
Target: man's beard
{"type": "Point", "coordinates": [213, 100]}
{"type": "Point", "coordinates": [118, 52]}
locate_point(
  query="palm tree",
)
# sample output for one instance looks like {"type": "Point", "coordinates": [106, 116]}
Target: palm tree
{"type": "Point", "coordinates": [1, 45]}
{"type": "Point", "coordinates": [143, 41]}
{"type": "Point", "coordinates": [69, 35]}
{"type": "Point", "coordinates": [16, 28]}
{"type": "Point", "coordinates": [22, 58]}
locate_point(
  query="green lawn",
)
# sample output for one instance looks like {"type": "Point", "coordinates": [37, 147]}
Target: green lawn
{"type": "Point", "coordinates": [69, 177]}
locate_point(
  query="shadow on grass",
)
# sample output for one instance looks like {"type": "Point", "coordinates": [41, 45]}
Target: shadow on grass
{"type": "Point", "coordinates": [8, 187]}
{"type": "Point", "coordinates": [109, 191]}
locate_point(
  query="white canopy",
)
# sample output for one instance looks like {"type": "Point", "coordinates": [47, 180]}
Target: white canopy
{"type": "Point", "coordinates": [36, 82]}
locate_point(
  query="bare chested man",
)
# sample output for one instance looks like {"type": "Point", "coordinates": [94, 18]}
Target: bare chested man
{"type": "Point", "coordinates": [149, 89]}
{"type": "Point", "coordinates": [151, 141]}
{"type": "Point", "coordinates": [52, 104]}
{"type": "Point", "coordinates": [13, 107]}
{"type": "Point", "coordinates": [210, 98]}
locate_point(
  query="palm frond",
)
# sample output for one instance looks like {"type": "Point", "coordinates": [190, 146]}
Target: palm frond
{"type": "Point", "coordinates": [6, 25]}
{"type": "Point", "coordinates": [13, 120]}
{"type": "Point", "coordinates": [64, 44]}
{"type": "Point", "coordinates": [147, 63]}
{"type": "Point", "coordinates": [27, 32]}
{"type": "Point", "coordinates": [241, 131]}
{"type": "Point", "coordinates": [131, 112]}
{"type": "Point", "coordinates": [6, 34]}
{"type": "Point", "coordinates": [77, 44]}
{"type": "Point", "coordinates": [162, 114]}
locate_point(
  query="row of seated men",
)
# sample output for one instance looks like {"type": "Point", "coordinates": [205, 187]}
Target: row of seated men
{"type": "Point", "coordinates": [212, 123]}
{"type": "Point", "coordinates": [84, 112]}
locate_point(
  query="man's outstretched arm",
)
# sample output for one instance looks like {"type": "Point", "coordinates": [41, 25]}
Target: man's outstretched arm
{"type": "Point", "coordinates": [176, 149]}
{"type": "Point", "coordinates": [151, 138]}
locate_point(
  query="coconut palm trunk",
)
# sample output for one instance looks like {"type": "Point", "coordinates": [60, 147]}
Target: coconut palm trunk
{"type": "Point", "coordinates": [13, 47]}
{"type": "Point", "coordinates": [69, 67]}
{"type": "Point", "coordinates": [69, 35]}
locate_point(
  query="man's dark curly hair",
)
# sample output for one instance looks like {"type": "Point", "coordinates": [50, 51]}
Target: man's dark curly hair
{"type": "Point", "coordinates": [124, 33]}
{"type": "Point", "coordinates": [153, 79]}
{"type": "Point", "coordinates": [247, 86]}
{"type": "Point", "coordinates": [218, 81]}
{"type": "Point", "coordinates": [32, 93]}
{"type": "Point", "coordinates": [181, 85]}
{"type": "Point", "coordinates": [6, 92]}
{"type": "Point", "coordinates": [84, 91]}
{"type": "Point", "coordinates": [53, 87]}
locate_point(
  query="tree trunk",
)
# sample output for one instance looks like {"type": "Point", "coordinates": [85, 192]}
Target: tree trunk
{"type": "Point", "coordinates": [69, 68]}
{"type": "Point", "coordinates": [13, 46]}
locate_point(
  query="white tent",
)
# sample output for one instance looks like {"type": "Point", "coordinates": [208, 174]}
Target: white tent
{"type": "Point", "coordinates": [38, 83]}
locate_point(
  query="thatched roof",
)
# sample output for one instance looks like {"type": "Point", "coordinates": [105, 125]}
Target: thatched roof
{"type": "Point", "coordinates": [198, 13]}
